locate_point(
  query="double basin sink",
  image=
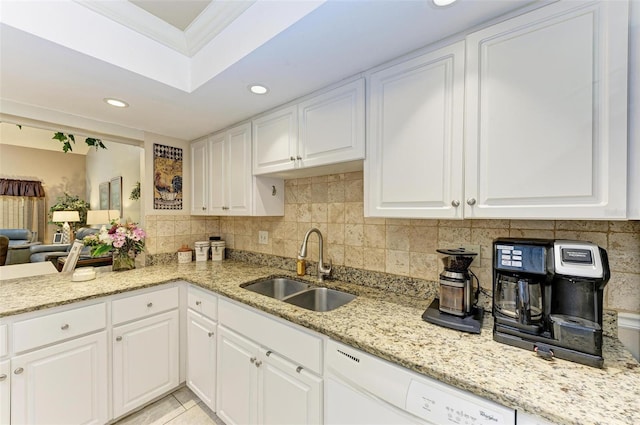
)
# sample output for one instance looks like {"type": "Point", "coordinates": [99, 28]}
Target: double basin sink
{"type": "Point", "coordinates": [301, 294]}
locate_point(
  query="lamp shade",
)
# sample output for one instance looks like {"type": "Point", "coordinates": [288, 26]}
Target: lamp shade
{"type": "Point", "coordinates": [65, 216]}
{"type": "Point", "coordinates": [102, 216]}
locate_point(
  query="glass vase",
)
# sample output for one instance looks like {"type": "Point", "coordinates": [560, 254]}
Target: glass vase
{"type": "Point", "coordinates": [123, 261]}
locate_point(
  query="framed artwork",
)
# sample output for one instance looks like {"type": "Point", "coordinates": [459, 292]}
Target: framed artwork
{"type": "Point", "coordinates": [115, 195]}
{"type": "Point", "coordinates": [57, 238]}
{"type": "Point", "coordinates": [104, 196]}
{"type": "Point", "coordinates": [167, 180]}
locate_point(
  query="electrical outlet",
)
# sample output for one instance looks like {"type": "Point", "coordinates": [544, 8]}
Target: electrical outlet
{"type": "Point", "coordinates": [263, 237]}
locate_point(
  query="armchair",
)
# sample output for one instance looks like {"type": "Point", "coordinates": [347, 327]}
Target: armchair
{"type": "Point", "coordinates": [51, 252]}
{"type": "Point", "coordinates": [20, 242]}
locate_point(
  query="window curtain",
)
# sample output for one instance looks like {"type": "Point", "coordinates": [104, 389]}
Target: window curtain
{"type": "Point", "coordinates": [32, 188]}
{"type": "Point", "coordinates": [22, 206]}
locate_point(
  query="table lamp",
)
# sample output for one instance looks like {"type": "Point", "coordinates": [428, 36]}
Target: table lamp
{"type": "Point", "coordinates": [65, 217]}
{"type": "Point", "coordinates": [103, 217]}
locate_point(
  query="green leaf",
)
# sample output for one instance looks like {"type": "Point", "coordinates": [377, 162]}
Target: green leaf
{"type": "Point", "coordinates": [19, 126]}
{"type": "Point", "coordinates": [101, 250]}
{"type": "Point", "coordinates": [59, 136]}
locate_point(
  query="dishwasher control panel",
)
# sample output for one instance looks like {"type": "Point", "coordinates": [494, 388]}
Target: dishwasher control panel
{"type": "Point", "coordinates": [442, 404]}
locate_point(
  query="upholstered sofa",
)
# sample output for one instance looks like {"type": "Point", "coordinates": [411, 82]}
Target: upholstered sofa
{"type": "Point", "coordinates": [20, 243]}
{"type": "Point", "coordinates": [51, 252]}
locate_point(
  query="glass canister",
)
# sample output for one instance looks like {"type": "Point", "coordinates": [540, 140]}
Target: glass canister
{"type": "Point", "coordinates": [202, 250]}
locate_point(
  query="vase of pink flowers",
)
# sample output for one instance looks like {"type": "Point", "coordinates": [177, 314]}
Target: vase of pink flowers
{"type": "Point", "coordinates": [123, 240]}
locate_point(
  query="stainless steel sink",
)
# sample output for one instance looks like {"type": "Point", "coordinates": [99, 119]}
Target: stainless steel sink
{"type": "Point", "coordinates": [320, 299]}
{"type": "Point", "coordinates": [278, 288]}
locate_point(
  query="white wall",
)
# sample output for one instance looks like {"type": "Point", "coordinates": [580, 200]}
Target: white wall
{"type": "Point", "coordinates": [117, 160]}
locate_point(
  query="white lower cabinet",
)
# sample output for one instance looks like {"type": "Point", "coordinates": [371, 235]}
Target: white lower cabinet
{"type": "Point", "coordinates": [201, 357]}
{"type": "Point", "coordinates": [5, 392]}
{"type": "Point", "coordinates": [61, 384]}
{"type": "Point", "coordinates": [257, 383]}
{"type": "Point", "coordinates": [145, 360]}
{"type": "Point", "coordinates": [257, 386]}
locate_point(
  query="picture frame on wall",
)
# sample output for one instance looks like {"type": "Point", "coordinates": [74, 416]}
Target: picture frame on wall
{"type": "Point", "coordinates": [104, 196]}
{"type": "Point", "coordinates": [115, 195]}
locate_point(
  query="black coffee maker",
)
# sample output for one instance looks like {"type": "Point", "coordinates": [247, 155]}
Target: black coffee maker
{"type": "Point", "coordinates": [548, 295]}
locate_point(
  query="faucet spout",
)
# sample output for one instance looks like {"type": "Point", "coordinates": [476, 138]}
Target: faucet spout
{"type": "Point", "coordinates": [322, 270]}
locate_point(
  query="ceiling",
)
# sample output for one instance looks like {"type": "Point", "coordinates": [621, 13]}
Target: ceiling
{"type": "Point", "coordinates": [184, 66]}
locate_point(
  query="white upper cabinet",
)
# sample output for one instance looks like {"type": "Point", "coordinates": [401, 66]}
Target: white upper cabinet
{"type": "Point", "coordinates": [546, 114]}
{"type": "Point", "coordinates": [322, 130]}
{"type": "Point", "coordinates": [199, 175]}
{"type": "Point", "coordinates": [275, 140]}
{"type": "Point", "coordinates": [227, 182]}
{"type": "Point", "coordinates": [414, 149]}
{"type": "Point", "coordinates": [331, 126]}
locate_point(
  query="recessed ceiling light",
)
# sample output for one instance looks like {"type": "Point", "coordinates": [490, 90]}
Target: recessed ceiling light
{"type": "Point", "coordinates": [258, 89]}
{"type": "Point", "coordinates": [116, 102]}
{"type": "Point", "coordinates": [442, 3]}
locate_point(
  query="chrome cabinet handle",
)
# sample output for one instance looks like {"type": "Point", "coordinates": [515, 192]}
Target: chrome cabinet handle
{"type": "Point", "coordinates": [292, 158]}
{"type": "Point", "coordinates": [150, 305]}
{"type": "Point", "coordinates": [299, 369]}
{"type": "Point", "coordinates": [210, 334]}
{"type": "Point", "coordinates": [3, 377]}
{"type": "Point", "coordinates": [118, 338]}
{"type": "Point", "coordinates": [64, 327]}
{"type": "Point", "coordinates": [198, 302]}
{"type": "Point", "coordinates": [471, 201]}
{"type": "Point", "coordinates": [269, 353]}
{"type": "Point", "coordinates": [299, 158]}
{"type": "Point", "coordinates": [455, 203]}
{"type": "Point", "coordinates": [18, 371]}
{"type": "Point", "coordinates": [258, 363]}
{"type": "Point", "coordinates": [204, 208]}
{"type": "Point", "coordinates": [252, 359]}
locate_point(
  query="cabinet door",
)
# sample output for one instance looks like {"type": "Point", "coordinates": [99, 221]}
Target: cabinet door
{"type": "Point", "coordinates": [275, 138]}
{"type": "Point", "coordinates": [199, 177]}
{"type": "Point", "coordinates": [62, 384]}
{"type": "Point", "coordinates": [288, 394]}
{"type": "Point", "coordinates": [332, 126]}
{"type": "Point", "coordinates": [237, 384]}
{"type": "Point", "coordinates": [5, 393]}
{"type": "Point", "coordinates": [201, 357]}
{"type": "Point", "coordinates": [546, 114]}
{"type": "Point", "coordinates": [414, 152]}
{"type": "Point", "coordinates": [145, 360]}
{"type": "Point", "coordinates": [218, 174]}
{"type": "Point", "coordinates": [239, 176]}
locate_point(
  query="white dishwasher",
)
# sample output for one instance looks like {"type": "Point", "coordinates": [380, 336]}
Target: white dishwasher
{"type": "Point", "coordinates": [363, 389]}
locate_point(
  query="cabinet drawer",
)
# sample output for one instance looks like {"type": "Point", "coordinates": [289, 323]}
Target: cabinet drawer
{"type": "Point", "coordinates": [297, 345]}
{"type": "Point", "coordinates": [143, 305]}
{"type": "Point", "coordinates": [203, 302]}
{"type": "Point", "coordinates": [43, 330]}
{"type": "Point", "coordinates": [4, 342]}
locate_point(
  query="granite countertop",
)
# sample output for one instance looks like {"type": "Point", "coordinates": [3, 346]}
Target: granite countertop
{"type": "Point", "coordinates": [389, 325]}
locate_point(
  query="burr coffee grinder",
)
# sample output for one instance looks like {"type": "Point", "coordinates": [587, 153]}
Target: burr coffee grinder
{"type": "Point", "coordinates": [456, 307]}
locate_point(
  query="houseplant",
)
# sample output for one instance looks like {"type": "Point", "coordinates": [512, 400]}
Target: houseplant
{"type": "Point", "coordinates": [70, 203]}
{"type": "Point", "coordinates": [123, 240]}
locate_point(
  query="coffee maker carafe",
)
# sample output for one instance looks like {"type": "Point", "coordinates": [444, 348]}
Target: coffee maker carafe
{"type": "Point", "coordinates": [456, 306]}
{"type": "Point", "coordinates": [548, 295]}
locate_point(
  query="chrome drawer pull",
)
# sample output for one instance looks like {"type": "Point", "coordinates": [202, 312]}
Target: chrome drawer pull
{"type": "Point", "coordinates": [210, 334]}
{"type": "Point", "coordinates": [252, 359]}
{"type": "Point", "coordinates": [3, 377]}
{"type": "Point", "coordinates": [268, 353]}
{"type": "Point", "coordinates": [150, 305]}
{"type": "Point", "coordinates": [258, 363]}
{"type": "Point", "coordinates": [64, 327]}
{"type": "Point", "coordinates": [118, 338]}
{"type": "Point", "coordinates": [18, 371]}
{"type": "Point", "coordinates": [198, 302]}
{"type": "Point", "coordinates": [299, 369]}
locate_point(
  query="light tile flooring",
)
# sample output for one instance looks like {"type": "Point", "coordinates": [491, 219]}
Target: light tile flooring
{"type": "Point", "coordinates": [182, 407]}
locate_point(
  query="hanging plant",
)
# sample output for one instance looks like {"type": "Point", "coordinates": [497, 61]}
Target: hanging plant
{"type": "Point", "coordinates": [66, 140]}
{"type": "Point", "coordinates": [135, 192]}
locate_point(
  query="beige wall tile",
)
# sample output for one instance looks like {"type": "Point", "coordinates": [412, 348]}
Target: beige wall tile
{"type": "Point", "coordinates": [335, 212]}
{"type": "Point", "coordinates": [397, 262]}
{"type": "Point", "coordinates": [183, 227]}
{"type": "Point", "coordinates": [291, 212]}
{"type": "Point", "coordinates": [353, 212]}
{"type": "Point", "coordinates": [319, 213]}
{"type": "Point", "coordinates": [533, 224]}
{"type": "Point", "coordinates": [374, 235]}
{"type": "Point", "coordinates": [336, 254]}
{"type": "Point", "coordinates": [424, 266]}
{"type": "Point", "coordinates": [583, 225]}
{"type": "Point", "coordinates": [353, 191]}
{"type": "Point", "coordinates": [354, 234]}
{"type": "Point", "coordinates": [525, 233]}
{"type": "Point", "coordinates": [353, 257]}
{"type": "Point", "coordinates": [335, 191]}
{"type": "Point", "coordinates": [453, 236]}
{"type": "Point", "coordinates": [597, 238]}
{"type": "Point", "coordinates": [335, 234]}
{"type": "Point", "coordinates": [624, 252]}
{"type": "Point", "coordinates": [375, 220]}
{"type": "Point", "coordinates": [424, 222]}
{"type": "Point", "coordinates": [304, 213]}
{"type": "Point", "coordinates": [398, 237]}
{"type": "Point", "coordinates": [623, 291]}
{"type": "Point", "coordinates": [166, 228]}
{"type": "Point", "coordinates": [277, 247]}
{"type": "Point", "coordinates": [319, 192]}
{"type": "Point", "coordinates": [423, 239]}
{"type": "Point", "coordinates": [632, 226]}
{"type": "Point", "coordinates": [374, 259]}
{"type": "Point", "coordinates": [490, 224]}
{"type": "Point", "coordinates": [304, 194]}
{"type": "Point", "coordinates": [166, 244]}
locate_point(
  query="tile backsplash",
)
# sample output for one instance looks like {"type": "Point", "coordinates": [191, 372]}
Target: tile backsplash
{"type": "Point", "coordinates": [404, 247]}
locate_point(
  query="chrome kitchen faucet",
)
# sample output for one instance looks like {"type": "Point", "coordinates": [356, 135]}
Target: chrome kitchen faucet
{"type": "Point", "coordinates": [322, 270]}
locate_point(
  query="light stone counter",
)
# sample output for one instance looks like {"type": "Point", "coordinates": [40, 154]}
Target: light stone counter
{"type": "Point", "coordinates": [390, 326]}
